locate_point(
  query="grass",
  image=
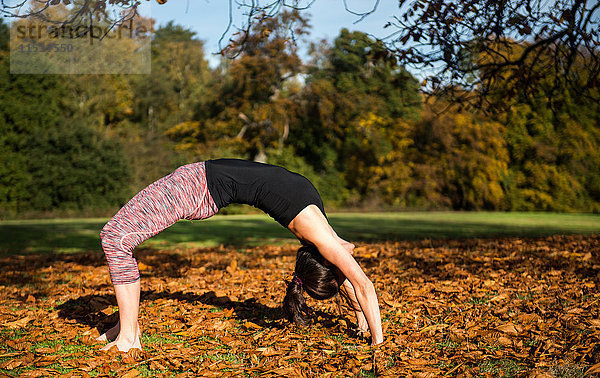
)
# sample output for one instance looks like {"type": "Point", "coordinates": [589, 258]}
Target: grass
{"type": "Point", "coordinates": [12, 334]}
{"type": "Point", "coordinates": [447, 344]}
{"type": "Point", "coordinates": [569, 371]}
{"type": "Point", "coordinates": [65, 349]}
{"type": "Point", "coordinates": [77, 235]}
{"type": "Point", "coordinates": [229, 357]}
{"type": "Point", "coordinates": [156, 340]}
{"type": "Point", "coordinates": [367, 374]}
{"type": "Point", "coordinates": [501, 368]}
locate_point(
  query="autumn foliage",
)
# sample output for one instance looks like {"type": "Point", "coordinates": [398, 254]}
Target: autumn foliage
{"type": "Point", "coordinates": [348, 116]}
{"type": "Point", "coordinates": [497, 307]}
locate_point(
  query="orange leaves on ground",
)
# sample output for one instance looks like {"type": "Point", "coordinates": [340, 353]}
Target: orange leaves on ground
{"type": "Point", "coordinates": [20, 323]}
{"type": "Point", "coordinates": [497, 307]}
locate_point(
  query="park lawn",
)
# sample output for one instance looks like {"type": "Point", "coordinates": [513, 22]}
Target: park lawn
{"type": "Point", "coordinates": [77, 235]}
{"type": "Point", "coordinates": [500, 307]}
{"type": "Point", "coordinates": [472, 294]}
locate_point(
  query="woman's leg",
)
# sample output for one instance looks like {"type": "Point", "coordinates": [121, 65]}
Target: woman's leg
{"type": "Point", "coordinates": [128, 328]}
{"type": "Point", "coordinates": [182, 194]}
{"type": "Point", "coordinates": [141, 218]}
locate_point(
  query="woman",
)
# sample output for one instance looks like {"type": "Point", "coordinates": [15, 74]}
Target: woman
{"type": "Point", "coordinates": [198, 191]}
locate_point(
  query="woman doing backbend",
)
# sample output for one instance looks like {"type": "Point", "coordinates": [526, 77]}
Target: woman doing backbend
{"type": "Point", "coordinates": [198, 191]}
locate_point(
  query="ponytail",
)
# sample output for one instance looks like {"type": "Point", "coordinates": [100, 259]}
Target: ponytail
{"type": "Point", "coordinates": [294, 304]}
{"type": "Point", "coordinates": [312, 276]}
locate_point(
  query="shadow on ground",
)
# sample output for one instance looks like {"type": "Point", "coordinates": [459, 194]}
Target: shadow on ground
{"type": "Point", "coordinates": [88, 309]}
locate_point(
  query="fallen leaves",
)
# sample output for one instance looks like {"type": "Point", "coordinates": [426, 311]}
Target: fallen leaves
{"type": "Point", "coordinates": [20, 323]}
{"type": "Point", "coordinates": [496, 307]}
{"type": "Point", "coordinates": [509, 328]}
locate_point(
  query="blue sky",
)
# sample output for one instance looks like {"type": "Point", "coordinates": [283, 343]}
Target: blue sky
{"type": "Point", "coordinates": [209, 18]}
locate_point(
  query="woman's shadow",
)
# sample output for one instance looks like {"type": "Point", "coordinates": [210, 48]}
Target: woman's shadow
{"type": "Point", "coordinates": [88, 310]}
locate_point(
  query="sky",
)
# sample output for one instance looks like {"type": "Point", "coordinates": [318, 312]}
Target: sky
{"type": "Point", "coordinates": [209, 18]}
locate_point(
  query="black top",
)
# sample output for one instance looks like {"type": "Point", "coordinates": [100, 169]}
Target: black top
{"type": "Point", "coordinates": [275, 190]}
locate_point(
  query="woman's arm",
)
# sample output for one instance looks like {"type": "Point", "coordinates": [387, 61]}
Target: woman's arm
{"type": "Point", "coordinates": [310, 225]}
{"type": "Point", "coordinates": [363, 326]}
{"type": "Point", "coordinates": [363, 287]}
{"type": "Point", "coordinates": [346, 244]}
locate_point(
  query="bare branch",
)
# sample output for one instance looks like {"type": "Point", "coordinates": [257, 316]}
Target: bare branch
{"type": "Point", "coordinates": [362, 15]}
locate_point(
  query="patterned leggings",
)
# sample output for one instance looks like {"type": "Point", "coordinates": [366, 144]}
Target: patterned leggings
{"type": "Point", "coordinates": [181, 195]}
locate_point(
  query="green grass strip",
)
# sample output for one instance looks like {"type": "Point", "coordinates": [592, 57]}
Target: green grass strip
{"type": "Point", "coordinates": [77, 235]}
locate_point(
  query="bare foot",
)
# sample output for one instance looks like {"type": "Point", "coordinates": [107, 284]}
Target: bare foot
{"type": "Point", "coordinates": [124, 344]}
{"type": "Point", "coordinates": [111, 334]}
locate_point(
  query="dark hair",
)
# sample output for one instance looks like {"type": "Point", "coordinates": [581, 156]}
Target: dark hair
{"type": "Point", "coordinates": [312, 276]}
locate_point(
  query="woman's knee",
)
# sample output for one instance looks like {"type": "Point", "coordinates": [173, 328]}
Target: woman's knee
{"type": "Point", "coordinates": [110, 239]}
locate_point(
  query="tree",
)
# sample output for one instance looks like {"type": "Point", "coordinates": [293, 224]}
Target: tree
{"type": "Point", "coordinates": [353, 100]}
{"type": "Point", "coordinates": [551, 139]}
{"type": "Point", "coordinates": [137, 109]}
{"type": "Point", "coordinates": [180, 76]}
{"type": "Point", "coordinates": [458, 160]}
{"type": "Point", "coordinates": [73, 167]}
{"type": "Point", "coordinates": [49, 160]}
{"type": "Point", "coordinates": [4, 36]}
{"type": "Point", "coordinates": [554, 156]}
{"type": "Point", "coordinates": [114, 12]}
{"type": "Point", "coordinates": [476, 43]}
{"type": "Point", "coordinates": [251, 106]}
{"type": "Point", "coordinates": [448, 39]}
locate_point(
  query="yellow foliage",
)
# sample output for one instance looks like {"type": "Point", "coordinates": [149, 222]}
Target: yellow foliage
{"type": "Point", "coordinates": [183, 128]}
